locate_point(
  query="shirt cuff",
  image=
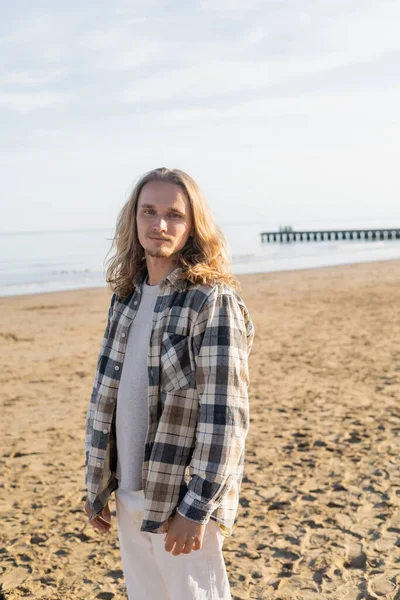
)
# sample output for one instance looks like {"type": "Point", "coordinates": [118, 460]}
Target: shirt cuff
{"type": "Point", "coordinates": [186, 517]}
{"type": "Point", "coordinates": [194, 510]}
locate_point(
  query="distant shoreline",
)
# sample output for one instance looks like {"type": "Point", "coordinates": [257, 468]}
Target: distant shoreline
{"type": "Point", "coordinates": [239, 276]}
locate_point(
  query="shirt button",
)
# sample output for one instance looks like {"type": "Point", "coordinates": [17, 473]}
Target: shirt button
{"type": "Point", "coordinates": [135, 303]}
{"type": "Point", "coordinates": [105, 430]}
{"type": "Point", "coordinates": [98, 464]}
{"type": "Point", "coordinates": [116, 368]}
{"type": "Point", "coordinates": [123, 334]}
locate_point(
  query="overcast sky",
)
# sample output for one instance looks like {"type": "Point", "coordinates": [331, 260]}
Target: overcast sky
{"type": "Point", "coordinates": [279, 109]}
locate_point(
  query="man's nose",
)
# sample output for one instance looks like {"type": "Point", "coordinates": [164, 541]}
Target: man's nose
{"type": "Point", "coordinates": [159, 224]}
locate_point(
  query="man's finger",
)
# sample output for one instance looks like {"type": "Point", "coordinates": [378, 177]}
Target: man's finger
{"type": "Point", "coordinates": [188, 547]}
{"type": "Point", "coordinates": [106, 516]}
{"type": "Point", "coordinates": [101, 517]}
{"type": "Point", "coordinates": [103, 523]}
{"type": "Point", "coordinates": [178, 548]}
{"type": "Point", "coordinates": [169, 542]}
{"type": "Point", "coordinates": [197, 544]}
{"type": "Point", "coordinates": [99, 523]}
{"type": "Point", "coordinates": [95, 524]}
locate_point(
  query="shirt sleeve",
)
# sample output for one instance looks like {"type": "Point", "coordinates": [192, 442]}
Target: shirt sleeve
{"type": "Point", "coordinates": [92, 401]}
{"type": "Point", "coordinates": [222, 340]}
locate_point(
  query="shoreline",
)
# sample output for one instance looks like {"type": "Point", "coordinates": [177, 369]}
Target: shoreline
{"type": "Point", "coordinates": [239, 276]}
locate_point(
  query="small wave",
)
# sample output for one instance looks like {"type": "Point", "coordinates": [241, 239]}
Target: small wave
{"type": "Point", "coordinates": [250, 258]}
{"type": "Point", "coordinates": [361, 245]}
{"type": "Point", "coordinates": [242, 257]}
{"type": "Point", "coordinates": [75, 271]}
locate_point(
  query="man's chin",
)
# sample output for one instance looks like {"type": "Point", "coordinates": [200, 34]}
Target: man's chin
{"type": "Point", "coordinates": [158, 254]}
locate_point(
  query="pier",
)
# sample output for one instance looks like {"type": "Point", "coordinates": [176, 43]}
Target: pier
{"type": "Point", "coordinates": [328, 235]}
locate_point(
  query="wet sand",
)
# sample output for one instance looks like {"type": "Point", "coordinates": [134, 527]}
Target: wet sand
{"type": "Point", "coordinates": [319, 514]}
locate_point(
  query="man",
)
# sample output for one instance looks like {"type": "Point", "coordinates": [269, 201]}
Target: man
{"type": "Point", "coordinates": [169, 412]}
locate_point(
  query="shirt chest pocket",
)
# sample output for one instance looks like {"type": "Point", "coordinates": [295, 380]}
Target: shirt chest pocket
{"type": "Point", "coordinates": [176, 370]}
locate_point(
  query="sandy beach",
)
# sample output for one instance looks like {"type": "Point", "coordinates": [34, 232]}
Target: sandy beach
{"type": "Point", "coordinates": [319, 515]}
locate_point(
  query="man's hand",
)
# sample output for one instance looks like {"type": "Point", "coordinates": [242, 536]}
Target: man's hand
{"type": "Point", "coordinates": [102, 521]}
{"type": "Point", "coordinates": [186, 535]}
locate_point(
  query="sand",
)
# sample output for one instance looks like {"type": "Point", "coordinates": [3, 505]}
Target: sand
{"type": "Point", "coordinates": [319, 511]}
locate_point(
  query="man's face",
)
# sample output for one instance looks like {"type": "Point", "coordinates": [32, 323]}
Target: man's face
{"type": "Point", "coordinates": [164, 219]}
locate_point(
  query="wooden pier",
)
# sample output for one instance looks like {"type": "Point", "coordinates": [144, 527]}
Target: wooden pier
{"type": "Point", "coordinates": [328, 235]}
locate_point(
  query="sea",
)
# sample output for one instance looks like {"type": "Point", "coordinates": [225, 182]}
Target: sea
{"type": "Point", "coordinates": [47, 261]}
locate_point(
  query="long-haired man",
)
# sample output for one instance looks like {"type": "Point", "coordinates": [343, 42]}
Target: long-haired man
{"type": "Point", "coordinates": [169, 411]}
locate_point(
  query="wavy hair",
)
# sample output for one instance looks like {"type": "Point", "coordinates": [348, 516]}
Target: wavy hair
{"type": "Point", "coordinates": [204, 259]}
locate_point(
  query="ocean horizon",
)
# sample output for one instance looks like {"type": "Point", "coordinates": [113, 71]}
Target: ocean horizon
{"type": "Point", "coordinates": [47, 261]}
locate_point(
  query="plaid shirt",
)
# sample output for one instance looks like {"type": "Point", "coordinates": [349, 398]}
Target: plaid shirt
{"type": "Point", "coordinates": [197, 398]}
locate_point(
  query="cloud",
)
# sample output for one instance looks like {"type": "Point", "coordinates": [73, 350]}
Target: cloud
{"type": "Point", "coordinates": [29, 102]}
{"type": "Point", "coordinates": [33, 77]}
{"type": "Point", "coordinates": [222, 78]}
{"type": "Point", "coordinates": [291, 45]}
{"type": "Point", "coordinates": [356, 107]}
{"type": "Point", "coordinates": [113, 52]}
{"type": "Point", "coordinates": [234, 5]}
{"type": "Point", "coordinates": [370, 32]}
{"type": "Point", "coordinates": [255, 35]}
{"type": "Point", "coordinates": [30, 29]}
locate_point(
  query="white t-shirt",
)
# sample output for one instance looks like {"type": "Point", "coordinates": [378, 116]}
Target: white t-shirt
{"type": "Point", "coordinates": [132, 404]}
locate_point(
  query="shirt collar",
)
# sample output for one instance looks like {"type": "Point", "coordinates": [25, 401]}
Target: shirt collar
{"type": "Point", "coordinates": [173, 278]}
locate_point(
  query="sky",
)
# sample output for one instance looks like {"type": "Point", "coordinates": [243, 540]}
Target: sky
{"type": "Point", "coordinates": [281, 110]}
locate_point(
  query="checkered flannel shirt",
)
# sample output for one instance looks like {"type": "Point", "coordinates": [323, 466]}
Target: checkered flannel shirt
{"type": "Point", "coordinates": [197, 398]}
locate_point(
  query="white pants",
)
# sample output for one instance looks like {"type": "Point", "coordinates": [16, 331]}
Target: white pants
{"type": "Point", "coordinates": [152, 573]}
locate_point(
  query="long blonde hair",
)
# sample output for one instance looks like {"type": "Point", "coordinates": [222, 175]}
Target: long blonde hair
{"type": "Point", "coordinates": [204, 259]}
